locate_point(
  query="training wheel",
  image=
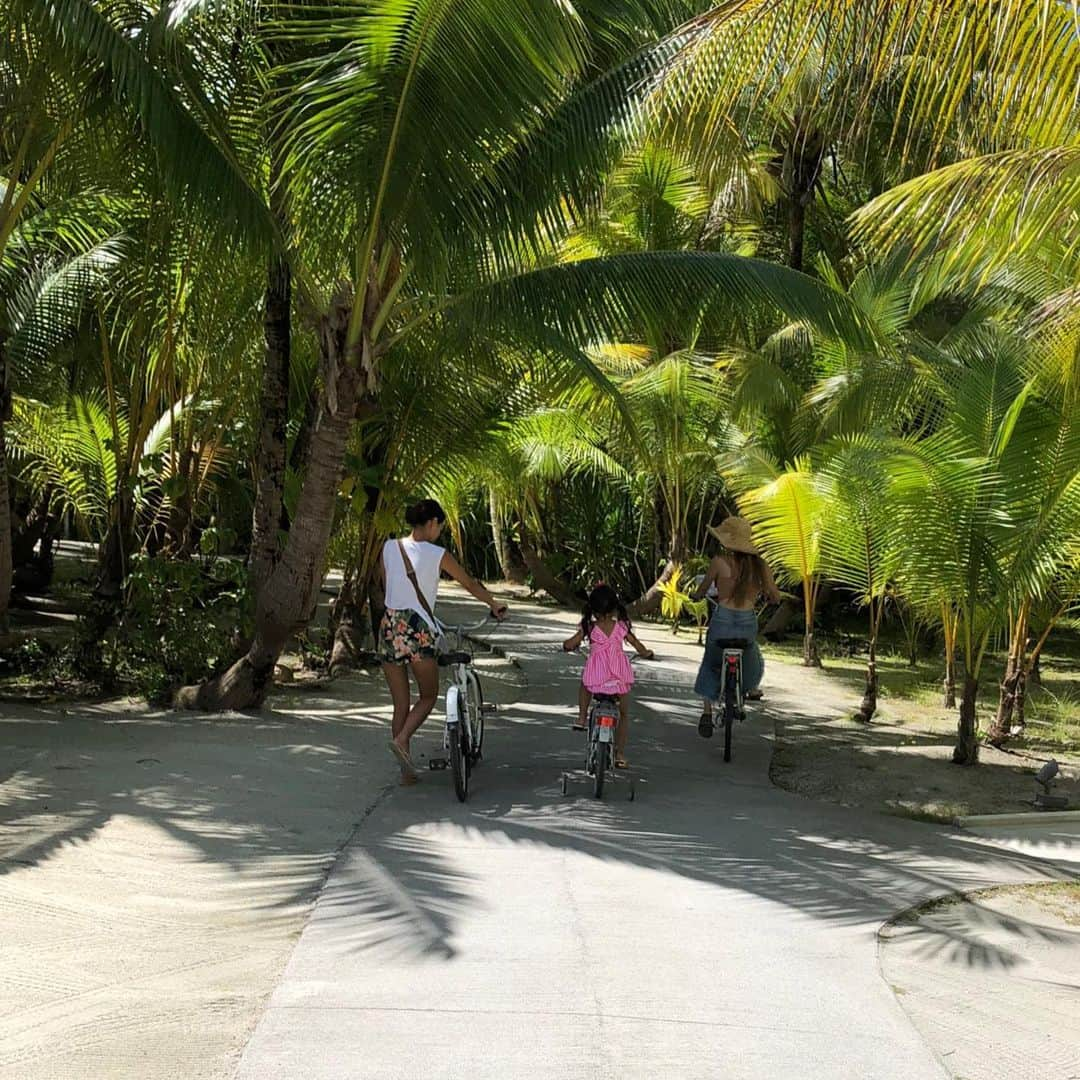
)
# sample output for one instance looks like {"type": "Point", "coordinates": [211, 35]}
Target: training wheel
{"type": "Point", "coordinates": [562, 784]}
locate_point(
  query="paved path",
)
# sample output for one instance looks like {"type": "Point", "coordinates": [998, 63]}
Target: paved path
{"type": "Point", "coordinates": [714, 927]}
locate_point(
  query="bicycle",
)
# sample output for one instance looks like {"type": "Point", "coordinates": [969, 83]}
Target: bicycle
{"type": "Point", "coordinates": [730, 696]}
{"type": "Point", "coordinates": [463, 730]}
{"type": "Point", "coordinates": [601, 725]}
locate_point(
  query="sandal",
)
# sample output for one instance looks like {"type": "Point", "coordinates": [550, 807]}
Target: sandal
{"type": "Point", "coordinates": [621, 762]}
{"type": "Point", "coordinates": [753, 695]}
{"type": "Point", "coordinates": [705, 725]}
{"type": "Point", "coordinates": [403, 759]}
{"type": "Point", "coordinates": [575, 726]}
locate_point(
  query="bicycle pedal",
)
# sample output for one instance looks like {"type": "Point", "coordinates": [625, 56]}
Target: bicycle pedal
{"type": "Point", "coordinates": [437, 763]}
{"type": "Point", "coordinates": [489, 708]}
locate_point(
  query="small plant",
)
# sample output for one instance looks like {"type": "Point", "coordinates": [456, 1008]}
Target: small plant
{"type": "Point", "coordinates": [675, 603]}
{"type": "Point", "coordinates": [25, 658]}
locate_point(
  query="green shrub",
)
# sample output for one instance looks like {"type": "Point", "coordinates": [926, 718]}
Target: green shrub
{"type": "Point", "coordinates": [182, 622]}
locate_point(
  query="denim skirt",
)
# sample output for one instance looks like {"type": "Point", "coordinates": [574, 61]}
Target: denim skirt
{"type": "Point", "coordinates": [726, 624]}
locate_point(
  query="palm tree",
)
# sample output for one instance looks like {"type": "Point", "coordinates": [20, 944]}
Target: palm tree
{"type": "Point", "coordinates": [857, 542]}
{"type": "Point", "coordinates": [85, 93]}
{"type": "Point", "coordinates": [440, 170]}
{"type": "Point", "coordinates": [952, 498]}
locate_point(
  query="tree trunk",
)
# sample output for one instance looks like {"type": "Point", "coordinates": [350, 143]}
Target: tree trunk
{"type": "Point", "coordinates": [1021, 699]}
{"type": "Point", "coordinates": [511, 567]}
{"type": "Point", "coordinates": [966, 751]}
{"type": "Point", "coordinates": [178, 531]}
{"type": "Point", "coordinates": [676, 556]}
{"type": "Point", "coordinates": [287, 599]}
{"type": "Point", "coordinates": [802, 168]}
{"type": "Point", "coordinates": [5, 497]}
{"type": "Point", "coordinates": [347, 619]}
{"type": "Point", "coordinates": [948, 684]}
{"type": "Point", "coordinates": [811, 656]}
{"type": "Point", "coordinates": [869, 702]}
{"type": "Point", "coordinates": [1014, 672]}
{"type": "Point", "coordinates": [32, 546]}
{"type": "Point", "coordinates": [273, 420]}
{"type": "Point", "coordinates": [1034, 674]}
{"type": "Point", "coordinates": [948, 626]}
{"type": "Point", "coordinates": [780, 619]}
{"type": "Point", "coordinates": [796, 231]}
{"type": "Point", "coordinates": [1010, 687]}
{"type": "Point", "coordinates": [542, 576]}
{"type": "Point", "coordinates": [650, 600]}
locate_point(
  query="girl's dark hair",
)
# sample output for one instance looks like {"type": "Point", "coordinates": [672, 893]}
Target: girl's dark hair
{"type": "Point", "coordinates": [603, 600]}
{"type": "Point", "coordinates": [423, 511]}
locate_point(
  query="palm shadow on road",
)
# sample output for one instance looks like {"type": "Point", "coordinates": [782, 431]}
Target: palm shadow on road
{"type": "Point", "coordinates": [695, 820]}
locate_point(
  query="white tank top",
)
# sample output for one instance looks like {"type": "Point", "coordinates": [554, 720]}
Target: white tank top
{"type": "Point", "coordinates": [425, 559]}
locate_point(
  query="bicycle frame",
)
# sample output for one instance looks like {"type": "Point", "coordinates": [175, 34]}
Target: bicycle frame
{"type": "Point", "coordinates": [464, 709]}
{"type": "Point", "coordinates": [731, 708]}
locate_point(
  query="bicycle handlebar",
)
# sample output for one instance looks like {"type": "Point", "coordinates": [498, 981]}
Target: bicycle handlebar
{"type": "Point", "coordinates": [463, 629]}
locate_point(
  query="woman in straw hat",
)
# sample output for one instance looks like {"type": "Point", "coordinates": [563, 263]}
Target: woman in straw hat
{"type": "Point", "coordinates": [738, 577]}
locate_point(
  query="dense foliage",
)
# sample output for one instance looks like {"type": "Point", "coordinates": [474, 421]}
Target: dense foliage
{"type": "Point", "coordinates": [268, 272]}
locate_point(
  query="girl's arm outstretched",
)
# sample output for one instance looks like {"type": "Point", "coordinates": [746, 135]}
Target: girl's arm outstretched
{"type": "Point", "coordinates": [642, 651]}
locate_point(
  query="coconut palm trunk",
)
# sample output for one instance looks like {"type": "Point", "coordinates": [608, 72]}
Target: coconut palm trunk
{"type": "Point", "coordinates": [811, 653]}
{"type": "Point", "coordinates": [287, 598]}
{"type": "Point", "coordinates": [868, 707]}
{"type": "Point", "coordinates": [676, 556]}
{"type": "Point", "coordinates": [966, 751]}
{"type": "Point", "coordinates": [1010, 689]}
{"type": "Point", "coordinates": [5, 496]}
{"type": "Point", "coordinates": [273, 418]}
{"type": "Point", "coordinates": [948, 625]}
{"type": "Point", "coordinates": [801, 170]}
{"type": "Point", "coordinates": [510, 566]}
{"type": "Point", "coordinates": [541, 573]}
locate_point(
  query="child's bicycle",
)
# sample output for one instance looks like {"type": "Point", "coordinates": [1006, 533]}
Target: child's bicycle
{"type": "Point", "coordinates": [600, 729]}
{"type": "Point", "coordinates": [463, 732]}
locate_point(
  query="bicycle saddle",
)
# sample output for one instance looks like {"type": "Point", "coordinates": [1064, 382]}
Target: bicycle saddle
{"type": "Point", "coordinates": [446, 659]}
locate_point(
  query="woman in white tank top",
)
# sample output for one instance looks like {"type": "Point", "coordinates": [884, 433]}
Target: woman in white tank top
{"type": "Point", "coordinates": [408, 632]}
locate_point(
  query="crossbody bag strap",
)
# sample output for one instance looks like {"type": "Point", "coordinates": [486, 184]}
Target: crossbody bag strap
{"type": "Point", "coordinates": [410, 573]}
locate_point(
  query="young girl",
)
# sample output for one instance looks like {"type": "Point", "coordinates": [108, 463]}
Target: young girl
{"type": "Point", "coordinates": [607, 671]}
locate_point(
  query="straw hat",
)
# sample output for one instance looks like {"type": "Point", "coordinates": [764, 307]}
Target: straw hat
{"type": "Point", "coordinates": [734, 534]}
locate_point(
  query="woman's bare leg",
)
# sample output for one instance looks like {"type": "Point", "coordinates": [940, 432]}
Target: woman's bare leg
{"type": "Point", "coordinates": [397, 679]}
{"type": "Point", "coordinates": [426, 673]}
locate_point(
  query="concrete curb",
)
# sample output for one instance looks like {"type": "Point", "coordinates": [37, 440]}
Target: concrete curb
{"type": "Point", "coordinates": [1037, 817]}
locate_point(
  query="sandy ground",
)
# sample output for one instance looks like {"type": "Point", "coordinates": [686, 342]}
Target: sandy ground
{"type": "Point", "coordinates": [901, 762]}
{"type": "Point", "coordinates": [156, 870]}
{"type": "Point", "coordinates": [1004, 960]}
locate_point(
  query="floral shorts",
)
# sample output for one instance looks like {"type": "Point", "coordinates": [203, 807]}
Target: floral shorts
{"type": "Point", "coordinates": [405, 636]}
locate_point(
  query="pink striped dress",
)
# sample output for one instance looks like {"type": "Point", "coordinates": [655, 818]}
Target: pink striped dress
{"type": "Point", "coordinates": [608, 671]}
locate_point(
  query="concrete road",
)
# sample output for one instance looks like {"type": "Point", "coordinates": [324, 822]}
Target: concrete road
{"type": "Point", "coordinates": [713, 927]}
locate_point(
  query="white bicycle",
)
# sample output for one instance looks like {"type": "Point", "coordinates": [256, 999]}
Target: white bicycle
{"type": "Point", "coordinates": [463, 731]}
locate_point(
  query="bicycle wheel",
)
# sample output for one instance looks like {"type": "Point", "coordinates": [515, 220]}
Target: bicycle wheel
{"type": "Point", "coordinates": [600, 768]}
{"type": "Point", "coordinates": [476, 713]}
{"type": "Point", "coordinates": [459, 754]}
{"type": "Point", "coordinates": [730, 705]}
